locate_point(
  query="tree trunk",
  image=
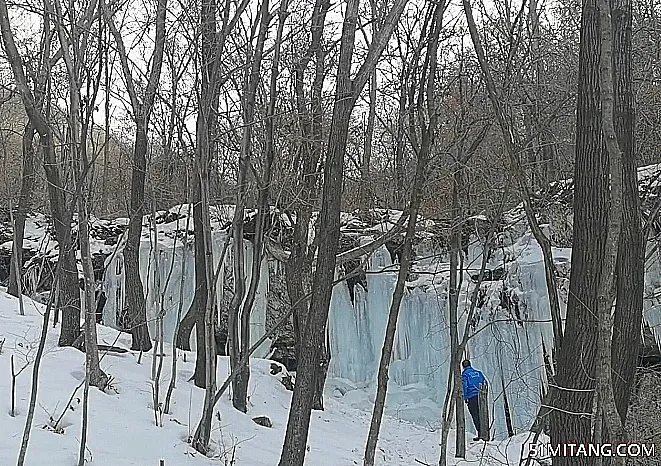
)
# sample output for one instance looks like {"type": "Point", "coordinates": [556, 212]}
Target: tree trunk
{"type": "Point", "coordinates": [201, 289]}
{"type": "Point", "coordinates": [96, 376]}
{"type": "Point", "coordinates": [320, 376]}
{"type": "Point", "coordinates": [68, 297]}
{"type": "Point", "coordinates": [298, 268]}
{"type": "Point", "coordinates": [455, 289]}
{"type": "Point", "coordinates": [630, 265]}
{"type": "Point", "coordinates": [207, 328]}
{"type": "Point", "coordinates": [27, 185]}
{"type": "Point", "coordinates": [186, 325]}
{"type": "Point", "coordinates": [294, 447]}
{"type": "Point", "coordinates": [400, 146]}
{"type": "Point", "coordinates": [426, 89]}
{"type": "Point", "coordinates": [239, 321]}
{"type": "Point", "coordinates": [571, 414]}
{"type": "Point", "coordinates": [205, 289]}
{"type": "Point", "coordinates": [615, 432]}
{"type": "Point", "coordinates": [365, 181]}
{"type": "Point", "coordinates": [135, 294]}
{"type": "Point", "coordinates": [142, 109]}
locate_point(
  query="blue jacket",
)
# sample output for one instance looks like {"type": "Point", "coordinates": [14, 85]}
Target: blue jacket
{"type": "Point", "coordinates": [472, 380]}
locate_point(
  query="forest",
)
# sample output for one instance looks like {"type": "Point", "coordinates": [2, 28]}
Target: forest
{"type": "Point", "coordinates": [303, 181]}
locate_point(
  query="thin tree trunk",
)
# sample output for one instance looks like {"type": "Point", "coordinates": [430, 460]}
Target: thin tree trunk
{"type": "Point", "coordinates": [173, 375]}
{"type": "Point", "coordinates": [520, 177]}
{"type": "Point", "coordinates": [423, 153]}
{"type": "Point", "coordinates": [96, 376]}
{"type": "Point", "coordinates": [14, 287]}
{"type": "Point", "coordinates": [347, 91]}
{"type": "Point", "coordinates": [630, 265]}
{"type": "Point", "coordinates": [365, 181]}
{"type": "Point", "coordinates": [106, 113]}
{"type": "Point", "coordinates": [298, 268]}
{"type": "Point", "coordinates": [455, 288]}
{"type": "Point", "coordinates": [85, 417]}
{"type": "Point", "coordinates": [615, 428]}
{"type": "Point", "coordinates": [36, 365]}
{"type": "Point", "coordinates": [239, 321]}
{"type": "Point", "coordinates": [400, 144]}
{"type": "Point", "coordinates": [454, 389]}
{"type": "Point", "coordinates": [202, 435]}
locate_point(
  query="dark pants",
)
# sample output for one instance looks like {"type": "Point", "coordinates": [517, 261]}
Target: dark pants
{"type": "Point", "coordinates": [474, 409]}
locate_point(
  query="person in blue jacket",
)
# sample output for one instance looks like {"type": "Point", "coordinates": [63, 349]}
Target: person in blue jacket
{"type": "Point", "coordinates": [472, 379]}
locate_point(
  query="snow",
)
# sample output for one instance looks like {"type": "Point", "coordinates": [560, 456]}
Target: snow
{"type": "Point", "coordinates": [122, 430]}
{"type": "Point", "coordinates": [512, 324]}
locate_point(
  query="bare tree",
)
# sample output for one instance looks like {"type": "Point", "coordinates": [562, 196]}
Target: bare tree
{"type": "Point", "coordinates": [240, 309]}
{"type": "Point", "coordinates": [511, 150]}
{"type": "Point", "coordinates": [422, 147]}
{"type": "Point", "coordinates": [347, 92]}
{"type": "Point", "coordinates": [68, 293]}
{"type": "Point", "coordinates": [604, 185]}
{"type": "Point", "coordinates": [630, 262]}
{"type": "Point", "coordinates": [298, 267]}
{"type": "Point", "coordinates": [142, 110]}
{"type": "Point", "coordinates": [605, 395]}
{"type": "Point", "coordinates": [211, 50]}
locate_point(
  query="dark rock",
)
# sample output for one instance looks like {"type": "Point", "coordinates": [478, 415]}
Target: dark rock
{"type": "Point", "coordinates": [283, 350]}
{"type": "Point", "coordinates": [288, 381]}
{"type": "Point", "coordinates": [649, 355]}
{"type": "Point", "coordinates": [394, 247]}
{"type": "Point", "coordinates": [358, 277]}
{"type": "Point", "coordinates": [168, 217]}
{"type": "Point", "coordinates": [220, 334]}
{"type": "Point", "coordinates": [100, 304]}
{"type": "Point", "coordinates": [490, 275]}
{"type": "Point", "coordinates": [263, 421]}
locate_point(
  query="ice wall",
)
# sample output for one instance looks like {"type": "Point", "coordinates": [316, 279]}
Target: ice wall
{"type": "Point", "coordinates": [167, 269]}
{"type": "Point", "coordinates": [652, 292]}
{"type": "Point", "coordinates": [506, 346]}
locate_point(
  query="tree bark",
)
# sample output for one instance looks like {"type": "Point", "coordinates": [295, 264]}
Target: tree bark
{"type": "Point", "coordinates": [630, 264]}
{"type": "Point", "coordinates": [455, 289]}
{"type": "Point", "coordinates": [571, 400]}
{"type": "Point", "coordinates": [298, 268]}
{"type": "Point", "coordinates": [615, 427]}
{"type": "Point", "coordinates": [135, 294]}
{"type": "Point", "coordinates": [239, 322]}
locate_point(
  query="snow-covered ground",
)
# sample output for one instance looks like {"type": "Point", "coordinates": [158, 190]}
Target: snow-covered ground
{"type": "Point", "coordinates": [122, 430]}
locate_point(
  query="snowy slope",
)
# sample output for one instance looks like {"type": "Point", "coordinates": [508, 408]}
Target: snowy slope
{"type": "Point", "coordinates": [122, 429]}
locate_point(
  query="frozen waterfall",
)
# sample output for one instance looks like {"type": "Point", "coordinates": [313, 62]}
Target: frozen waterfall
{"type": "Point", "coordinates": [511, 326]}
{"type": "Point", "coordinates": [167, 268]}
